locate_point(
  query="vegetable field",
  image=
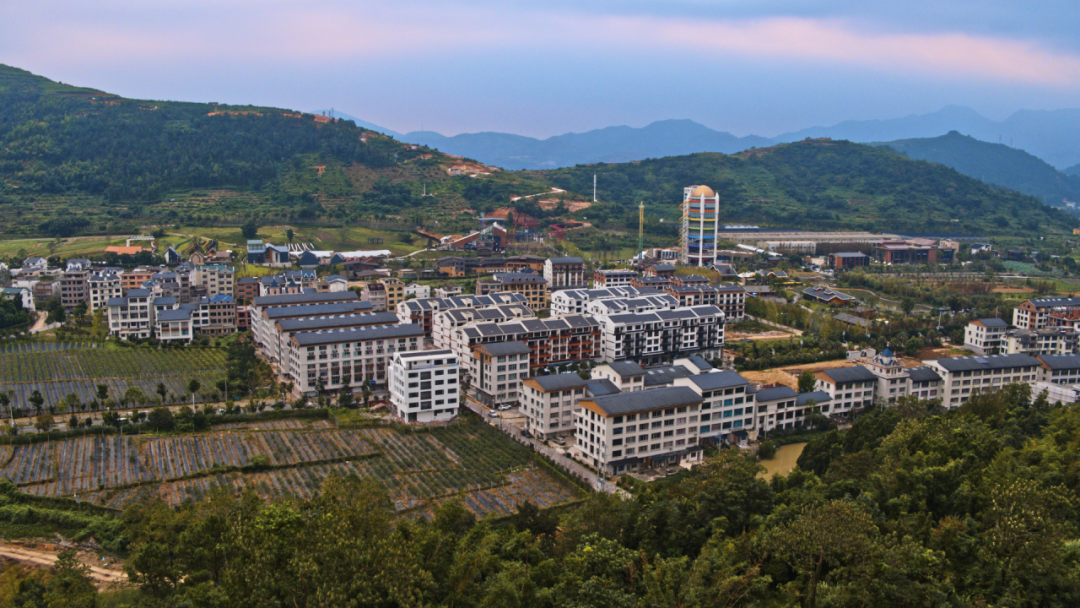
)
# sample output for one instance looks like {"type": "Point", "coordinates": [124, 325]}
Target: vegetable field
{"type": "Point", "coordinates": [57, 368]}
{"type": "Point", "coordinates": [489, 473]}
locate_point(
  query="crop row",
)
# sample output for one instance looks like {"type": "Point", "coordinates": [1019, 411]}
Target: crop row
{"type": "Point", "coordinates": [43, 347]}
{"type": "Point", "coordinates": [78, 364]}
{"type": "Point", "coordinates": [53, 392]}
{"type": "Point", "coordinates": [264, 425]}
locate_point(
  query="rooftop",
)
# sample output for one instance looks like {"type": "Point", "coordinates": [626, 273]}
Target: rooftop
{"type": "Point", "coordinates": [358, 334]}
{"type": "Point", "coordinates": [775, 394]}
{"type": "Point", "coordinates": [715, 380]}
{"type": "Point", "coordinates": [643, 401]}
{"type": "Point", "coordinates": [558, 382]}
{"type": "Point", "coordinates": [626, 369]}
{"type": "Point", "coordinates": [304, 298]}
{"type": "Point", "coordinates": [992, 322]}
{"type": "Point", "coordinates": [842, 375]}
{"type": "Point", "coordinates": [501, 349]}
{"type": "Point", "coordinates": [817, 397]}
{"type": "Point", "coordinates": [965, 364]}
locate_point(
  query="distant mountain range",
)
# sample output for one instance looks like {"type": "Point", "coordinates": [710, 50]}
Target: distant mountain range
{"type": "Point", "coordinates": [993, 163]}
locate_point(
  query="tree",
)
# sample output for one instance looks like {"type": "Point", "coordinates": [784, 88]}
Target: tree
{"type": "Point", "coordinates": [833, 534]}
{"type": "Point", "coordinates": [71, 585]}
{"type": "Point", "coordinates": [345, 395]}
{"type": "Point", "coordinates": [250, 230]}
{"type": "Point", "coordinates": [44, 422]}
{"type": "Point", "coordinates": [103, 392]}
{"type": "Point", "coordinates": [289, 235]}
{"type": "Point", "coordinates": [70, 402]}
{"type": "Point", "coordinates": [193, 387]}
{"type": "Point", "coordinates": [807, 382]}
{"type": "Point", "coordinates": [163, 391]}
{"type": "Point", "coordinates": [907, 305]}
{"type": "Point", "coordinates": [161, 418]}
{"type": "Point", "coordinates": [134, 395]}
{"type": "Point", "coordinates": [36, 400]}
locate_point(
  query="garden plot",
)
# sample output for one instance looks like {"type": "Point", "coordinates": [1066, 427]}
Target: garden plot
{"type": "Point", "coordinates": [56, 369]}
{"type": "Point", "coordinates": [419, 471]}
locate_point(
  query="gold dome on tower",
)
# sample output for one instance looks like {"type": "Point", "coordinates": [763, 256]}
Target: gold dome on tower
{"type": "Point", "coordinates": [702, 191]}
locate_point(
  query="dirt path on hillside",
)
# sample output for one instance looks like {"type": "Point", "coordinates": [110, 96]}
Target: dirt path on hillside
{"type": "Point", "coordinates": [44, 555]}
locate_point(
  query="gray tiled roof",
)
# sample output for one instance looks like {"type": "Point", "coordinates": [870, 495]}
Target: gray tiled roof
{"type": "Point", "coordinates": [599, 388]}
{"type": "Point", "coordinates": [346, 320]}
{"type": "Point", "coordinates": [644, 401]}
{"type": "Point", "coordinates": [1058, 362]}
{"type": "Point", "coordinates": [500, 349]}
{"type": "Point", "coordinates": [174, 315]}
{"type": "Point", "coordinates": [850, 374]}
{"type": "Point", "coordinates": [775, 394]}
{"type": "Point", "coordinates": [559, 382]}
{"type": "Point", "coordinates": [966, 364]}
{"type": "Point", "coordinates": [818, 397]}
{"type": "Point", "coordinates": [626, 368]}
{"type": "Point", "coordinates": [315, 310]}
{"type": "Point", "coordinates": [923, 374]}
{"type": "Point", "coordinates": [661, 376]}
{"type": "Point", "coordinates": [566, 260]}
{"type": "Point", "coordinates": [305, 298]}
{"type": "Point", "coordinates": [993, 322]}
{"type": "Point", "coordinates": [715, 380]}
{"type": "Point", "coordinates": [358, 334]}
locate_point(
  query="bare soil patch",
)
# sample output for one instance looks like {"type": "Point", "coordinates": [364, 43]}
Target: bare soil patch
{"type": "Point", "coordinates": [108, 574]}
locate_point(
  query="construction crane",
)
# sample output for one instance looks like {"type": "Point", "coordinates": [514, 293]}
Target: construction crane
{"type": "Point", "coordinates": [641, 231]}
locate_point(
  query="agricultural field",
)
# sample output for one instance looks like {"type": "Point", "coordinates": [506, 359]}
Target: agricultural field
{"type": "Point", "coordinates": [468, 461]}
{"type": "Point", "coordinates": [59, 368]}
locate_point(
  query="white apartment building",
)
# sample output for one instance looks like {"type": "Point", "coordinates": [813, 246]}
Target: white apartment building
{"type": "Point", "coordinates": [1061, 370]}
{"type": "Point", "coordinates": [550, 402]}
{"type": "Point", "coordinates": [417, 290]}
{"type": "Point", "coordinates": [700, 229]}
{"type": "Point", "coordinates": [654, 337]}
{"type": "Point", "coordinates": [985, 336]}
{"type": "Point", "coordinates": [615, 277]}
{"type": "Point", "coordinates": [174, 325]}
{"type": "Point", "coordinates": [642, 304]}
{"type": "Point", "coordinates": [849, 388]}
{"type": "Point", "coordinates": [964, 376]}
{"type": "Point", "coordinates": [131, 316]}
{"type": "Point", "coordinates": [422, 311]}
{"type": "Point", "coordinates": [628, 431]}
{"type": "Point", "coordinates": [353, 355]}
{"type": "Point", "coordinates": [1049, 341]}
{"type": "Point", "coordinates": [261, 320]}
{"type": "Point", "coordinates": [565, 273]}
{"type": "Point", "coordinates": [553, 341]}
{"type": "Point", "coordinates": [215, 279]}
{"type": "Point", "coordinates": [424, 385]}
{"type": "Point", "coordinates": [500, 368]}
{"type": "Point", "coordinates": [727, 410]}
{"type": "Point", "coordinates": [573, 301]}
{"type": "Point", "coordinates": [102, 286]}
{"type": "Point", "coordinates": [777, 408]}
{"type": "Point", "coordinates": [1035, 314]}
{"type": "Point", "coordinates": [446, 321]}
{"type": "Point", "coordinates": [284, 328]}
{"type": "Point", "coordinates": [627, 376]}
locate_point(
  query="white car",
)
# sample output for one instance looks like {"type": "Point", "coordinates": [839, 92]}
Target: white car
{"type": "Point", "coordinates": [504, 407]}
{"type": "Point", "coordinates": [493, 414]}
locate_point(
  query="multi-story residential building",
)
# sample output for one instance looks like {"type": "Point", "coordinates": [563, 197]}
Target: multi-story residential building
{"type": "Point", "coordinates": [924, 383]}
{"type": "Point", "coordinates": [284, 328]}
{"type": "Point", "coordinates": [288, 282]}
{"type": "Point", "coordinates": [727, 410]}
{"type": "Point", "coordinates": [214, 316]}
{"type": "Point", "coordinates": [132, 316]}
{"type": "Point", "coordinates": [214, 280]}
{"type": "Point", "coordinates": [701, 294]}
{"type": "Point", "coordinates": [574, 301]}
{"type": "Point", "coordinates": [848, 259]}
{"type": "Point", "coordinates": [964, 376]}
{"type": "Point", "coordinates": [626, 431]}
{"type": "Point", "coordinates": [1059, 370]}
{"type": "Point", "coordinates": [375, 292]}
{"type": "Point", "coordinates": [661, 270]}
{"type": "Point", "coordinates": [550, 403]}
{"type": "Point", "coordinates": [627, 376]}
{"type": "Point", "coordinates": [985, 336]}
{"type": "Point", "coordinates": [448, 291]}
{"type": "Point", "coordinates": [103, 285]}
{"type": "Point", "coordinates": [349, 355]}
{"type": "Point", "coordinates": [418, 291]}
{"type": "Point", "coordinates": [1049, 341]}
{"type": "Point", "coordinates": [849, 389]}
{"type": "Point", "coordinates": [74, 287]}
{"type": "Point", "coordinates": [529, 284]}
{"type": "Point", "coordinates": [651, 282]}
{"type": "Point", "coordinates": [395, 292]}
{"type": "Point", "coordinates": [446, 321]}
{"type": "Point", "coordinates": [173, 325]}
{"type": "Point", "coordinates": [700, 228]}
{"type": "Point", "coordinates": [247, 289]}
{"type": "Point", "coordinates": [617, 277]}
{"type": "Point", "coordinates": [261, 319]}
{"type": "Point", "coordinates": [34, 265]}
{"type": "Point", "coordinates": [422, 311]}
{"type": "Point", "coordinates": [457, 267]}
{"type": "Point", "coordinates": [44, 288]}
{"type": "Point", "coordinates": [653, 337]}
{"type": "Point", "coordinates": [642, 304]}
{"type": "Point", "coordinates": [23, 295]}
{"type": "Point", "coordinates": [1035, 314]}
{"type": "Point", "coordinates": [565, 273]}
{"type": "Point", "coordinates": [554, 341]}
{"type": "Point", "coordinates": [777, 408]}
{"type": "Point", "coordinates": [500, 369]}
{"type": "Point", "coordinates": [134, 278]}
{"type": "Point", "coordinates": [243, 318]}
{"type": "Point", "coordinates": [732, 300]}
{"type": "Point", "coordinates": [424, 385]}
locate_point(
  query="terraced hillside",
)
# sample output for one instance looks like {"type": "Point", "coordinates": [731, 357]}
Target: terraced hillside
{"type": "Point", "coordinates": [470, 461]}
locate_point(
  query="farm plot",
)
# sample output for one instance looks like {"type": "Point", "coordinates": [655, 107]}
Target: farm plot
{"type": "Point", "coordinates": [419, 471]}
{"type": "Point", "coordinates": [57, 369]}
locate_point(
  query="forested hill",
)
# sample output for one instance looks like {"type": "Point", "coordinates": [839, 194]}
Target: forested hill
{"type": "Point", "coordinates": [822, 184]}
{"type": "Point", "coordinates": [994, 163]}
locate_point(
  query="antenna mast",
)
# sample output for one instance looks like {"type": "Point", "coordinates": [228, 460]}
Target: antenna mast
{"type": "Point", "coordinates": [594, 187]}
{"type": "Point", "coordinates": [641, 231]}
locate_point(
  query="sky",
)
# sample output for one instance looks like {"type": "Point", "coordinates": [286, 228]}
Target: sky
{"type": "Point", "coordinates": [542, 68]}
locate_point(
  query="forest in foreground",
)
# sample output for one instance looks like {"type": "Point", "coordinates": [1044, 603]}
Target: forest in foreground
{"type": "Point", "coordinates": [910, 507]}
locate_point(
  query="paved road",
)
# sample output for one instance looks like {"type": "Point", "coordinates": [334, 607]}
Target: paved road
{"type": "Point", "coordinates": [571, 466]}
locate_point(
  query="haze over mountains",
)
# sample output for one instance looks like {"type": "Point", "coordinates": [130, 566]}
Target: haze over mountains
{"type": "Point", "coordinates": [1050, 135]}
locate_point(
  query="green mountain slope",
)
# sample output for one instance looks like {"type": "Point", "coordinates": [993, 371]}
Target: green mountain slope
{"type": "Point", "coordinates": [80, 161]}
{"type": "Point", "coordinates": [993, 163]}
{"type": "Point", "coordinates": [822, 184]}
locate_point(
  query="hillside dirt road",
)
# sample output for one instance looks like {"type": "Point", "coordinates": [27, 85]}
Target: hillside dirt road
{"type": "Point", "coordinates": [44, 555]}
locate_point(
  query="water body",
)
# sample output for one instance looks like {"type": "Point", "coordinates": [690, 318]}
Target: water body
{"type": "Point", "coordinates": [784, 460]}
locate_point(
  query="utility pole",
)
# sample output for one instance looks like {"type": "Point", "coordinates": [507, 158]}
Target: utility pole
{"type": "Point", "coordinates": [594, 187]}
{"type": "Point", "coordinates": [641, 231]}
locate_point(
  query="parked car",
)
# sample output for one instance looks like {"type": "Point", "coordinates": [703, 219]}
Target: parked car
{"type": "Point", "coordinates": [560, 440]}
{"type": "Point", "coordinates": [504, 407]}
{"type": "Point", "coordinates": [526, 433]}
{"type": "Point", "coordinates": [493, 414]}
